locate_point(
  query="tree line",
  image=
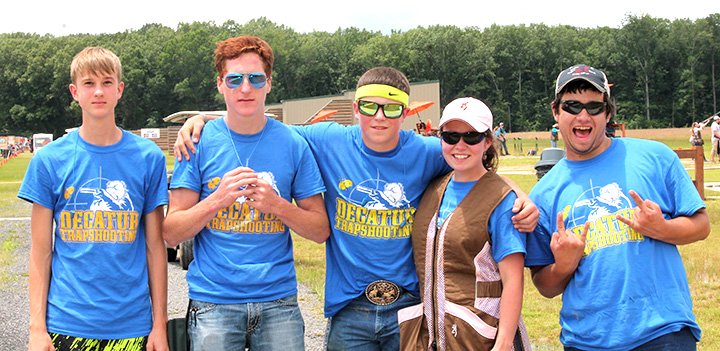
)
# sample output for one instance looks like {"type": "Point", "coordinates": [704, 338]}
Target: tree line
{"type": "Point", "coordinates": [664, 73]}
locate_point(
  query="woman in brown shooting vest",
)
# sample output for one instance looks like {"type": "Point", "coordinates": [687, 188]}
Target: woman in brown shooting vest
{"type": "Point", "coordinates": [468, 255]}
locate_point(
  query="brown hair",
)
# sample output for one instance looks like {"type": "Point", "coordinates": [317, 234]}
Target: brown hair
{"type": "Point", "coordinates": [386, 76]}
{"type": "Point", "coordinates": [95, 60]}
{"type": "Point", "coordinates": [234, 47]}
{"type": "Point", "coordinates": [491, 159]}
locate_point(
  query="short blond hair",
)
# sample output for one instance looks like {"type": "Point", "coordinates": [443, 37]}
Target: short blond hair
{"type": "Point", "coordinates": [95, 60]}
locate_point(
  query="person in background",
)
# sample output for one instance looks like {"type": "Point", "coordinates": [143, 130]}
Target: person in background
{"type": "Point", "coordinates": [554, 135]}
{"type": "Point", "coordinates": [696, 138]}
{"type": "Point", "coordinates": [468, 255]}
{"type": "Point", "coordinates": [500, 136]}
{"type": "Point", "coordinates": [98, 264]}
{"type": "Point", "coordinates": [612, 213]}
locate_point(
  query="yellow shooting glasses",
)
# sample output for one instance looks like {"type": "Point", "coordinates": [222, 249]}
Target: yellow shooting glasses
{"type": "Point", "coordinates": [383, 91]}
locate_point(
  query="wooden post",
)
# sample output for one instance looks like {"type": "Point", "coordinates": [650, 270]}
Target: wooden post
{"type": "Point", "coordinates": [697, 153]}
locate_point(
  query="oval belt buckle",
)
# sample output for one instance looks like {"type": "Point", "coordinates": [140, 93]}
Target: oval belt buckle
{"type": "Point", "coordinates": [382, 292]}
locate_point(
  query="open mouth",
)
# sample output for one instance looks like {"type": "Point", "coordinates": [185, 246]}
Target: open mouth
{"type": "Point", "coordinates": [460, 156]}
{"type": "Point", "coordinates": [582, 132]}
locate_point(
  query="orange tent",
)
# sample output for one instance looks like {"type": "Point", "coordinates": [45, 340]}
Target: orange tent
{"type": "Point", "coordinates": [322, 115]}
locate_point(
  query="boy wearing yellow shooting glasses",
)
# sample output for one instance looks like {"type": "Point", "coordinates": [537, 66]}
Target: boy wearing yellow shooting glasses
{"type": "Point", "coordinates": [374, 174]}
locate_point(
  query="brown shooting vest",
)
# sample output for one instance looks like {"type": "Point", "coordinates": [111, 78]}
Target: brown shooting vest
{"type": "Point", "coordinates": [460, 285]}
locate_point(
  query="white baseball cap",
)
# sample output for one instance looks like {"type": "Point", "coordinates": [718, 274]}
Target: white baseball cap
{"type": "Point", "coordinates": [469, 110]}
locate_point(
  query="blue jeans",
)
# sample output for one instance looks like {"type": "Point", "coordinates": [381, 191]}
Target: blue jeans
{"type": "Point", "coordinates": [274, 325]}
{"type": "Point", "coordinates": [503, 144]}
{"type": "Point", "coordinates": [682, 340]}
{"type": "Point", "coordinates": [364, 326]}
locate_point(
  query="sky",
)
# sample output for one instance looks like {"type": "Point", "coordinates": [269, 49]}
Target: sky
{"type": "Point", "coordinates": [62, 17]}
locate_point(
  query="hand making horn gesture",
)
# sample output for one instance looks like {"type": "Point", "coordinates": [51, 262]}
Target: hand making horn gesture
{"type": "Point", "coordinates": [647, 218]}
{"type": "Point", "coordinates": [567, 247]}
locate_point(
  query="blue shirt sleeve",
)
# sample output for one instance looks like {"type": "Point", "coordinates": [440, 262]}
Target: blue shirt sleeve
{"type": "Point", "coordinates": [506, 240]}
{"type": "Point", "coordinates": [37, 186]}
{"type": "Point", "coordinates": [186, 173]}
{"type": "Point", "coordinates": [538, 242]}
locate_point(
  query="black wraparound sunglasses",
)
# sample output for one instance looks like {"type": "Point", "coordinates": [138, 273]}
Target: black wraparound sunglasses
{"type": "Point", "coordinates": [470, 138]}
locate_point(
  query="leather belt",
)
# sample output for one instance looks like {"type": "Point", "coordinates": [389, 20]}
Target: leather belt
{"type": "Point", "coordinates": [382, 292]}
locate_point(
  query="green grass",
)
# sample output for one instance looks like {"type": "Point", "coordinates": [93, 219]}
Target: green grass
{"type": "Point", "coordinates": [14, 169]}
{"type": "Point", "coordinates": [169, 161]}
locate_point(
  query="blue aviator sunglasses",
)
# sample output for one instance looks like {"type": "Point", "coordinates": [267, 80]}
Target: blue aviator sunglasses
{"type": "Point", "coordinates": [256, 79]}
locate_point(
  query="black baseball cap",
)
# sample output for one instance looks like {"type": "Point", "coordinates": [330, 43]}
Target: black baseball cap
{"type": "Point", "coordinates": [592, 75]}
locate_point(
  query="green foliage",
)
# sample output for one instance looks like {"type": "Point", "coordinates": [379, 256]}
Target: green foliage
{"type": "Point", "coordinates": [664, 72]}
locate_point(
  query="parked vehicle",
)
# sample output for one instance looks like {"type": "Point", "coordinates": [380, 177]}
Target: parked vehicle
{"type": "Point", "coordinates": [40, 140]}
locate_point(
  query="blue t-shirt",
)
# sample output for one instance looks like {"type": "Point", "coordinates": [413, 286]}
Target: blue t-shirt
{"type": "Point", "coordinates": [243, 255]}
{"type": "Point", "coordinates": [99, 196]}
{"type": "Point", "coordinates": [505, 238]}
{"type": "Point", "coordinates": [628, 289]}
{"type": "Point", "coordinates": [370, 200]}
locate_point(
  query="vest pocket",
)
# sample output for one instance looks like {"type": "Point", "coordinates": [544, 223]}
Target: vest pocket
{"type": "Point", "coordinates": [464, 328]}
{"type": "Point", "coordinates": [413, 331]}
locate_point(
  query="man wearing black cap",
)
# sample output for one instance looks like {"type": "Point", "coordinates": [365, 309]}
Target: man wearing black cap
{"type": "Point", "coordinates": [611, 216]}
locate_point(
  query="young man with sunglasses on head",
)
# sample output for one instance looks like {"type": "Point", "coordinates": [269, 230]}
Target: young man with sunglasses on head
{"type": "Point", "coordinates": [236, 194]}
{"type": "Point", "coordinates": [611, 216]}
{"type": "Point", "coordinates": [375, 174]}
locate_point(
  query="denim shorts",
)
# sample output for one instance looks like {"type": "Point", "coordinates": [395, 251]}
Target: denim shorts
{"type": "Point", "coordinates": [364, 326]}
{"type": "Point", "coordinates": [274, 326]}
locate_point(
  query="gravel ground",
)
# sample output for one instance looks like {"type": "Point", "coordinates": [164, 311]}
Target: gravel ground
{"type": "Point", "coordinates": [14, 295]}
